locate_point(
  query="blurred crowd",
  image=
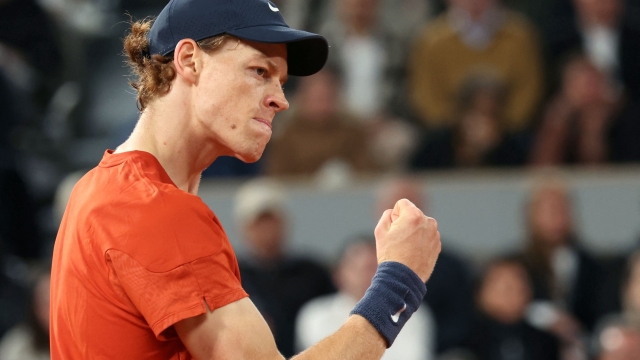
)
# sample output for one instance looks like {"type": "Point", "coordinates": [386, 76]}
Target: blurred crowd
{"type": "Point", "coordinates": [410, 86]}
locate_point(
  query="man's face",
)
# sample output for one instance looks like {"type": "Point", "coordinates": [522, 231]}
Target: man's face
{"type": "Point", "coordinates": [356, 270]}
{"type": "Point", "coordinates": [318, 97]}
{"type": "Point", "coordinates": [505, 292]}
{"type": "Point", "coordinates": [551, 216]}
{"type": "Point", "coordinates": [265, 235]}
{"type": "Point", "coordinates": [600, 12]}
{"type": "Point", "coordinates": [237, 95]}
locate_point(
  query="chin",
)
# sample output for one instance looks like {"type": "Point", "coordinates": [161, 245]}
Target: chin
{"type": "Point", "coordinates": [249, 157]}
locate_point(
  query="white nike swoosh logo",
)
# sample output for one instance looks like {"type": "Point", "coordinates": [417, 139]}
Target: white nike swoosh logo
{"type": "Point", "coordinates": [396, 317]}
{"type": "Point", "coordinates": [272, 7]}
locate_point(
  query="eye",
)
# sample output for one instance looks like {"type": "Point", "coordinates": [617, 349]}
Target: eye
{"type": "Point", "coordinates": [261, 71]}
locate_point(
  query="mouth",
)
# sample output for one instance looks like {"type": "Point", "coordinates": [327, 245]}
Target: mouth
{"type": "Point", "coordinates": [264, 121]}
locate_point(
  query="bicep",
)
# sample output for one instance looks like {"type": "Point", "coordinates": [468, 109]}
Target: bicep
{"type": "Point", "coordinates": [234, 331]}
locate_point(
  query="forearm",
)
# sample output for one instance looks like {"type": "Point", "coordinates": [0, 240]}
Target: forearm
{"type": "Point", "coordinates": [356, 339]}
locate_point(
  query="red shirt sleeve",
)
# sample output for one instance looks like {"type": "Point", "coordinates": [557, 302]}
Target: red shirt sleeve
{"type": "Point", "coordinates": [174, 257]}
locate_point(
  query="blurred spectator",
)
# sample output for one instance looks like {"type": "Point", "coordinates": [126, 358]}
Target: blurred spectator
{"type": "Point", "coordinates": [542, 12]}
{"type": "Point", "coordinates": [625, 133]}
{"type": "Point", "coordinates": [12, 298]}
{"type": "Point", "coordinates": [601, 32]}
{"type": "Point", "coordinates": [500, 331]}
{"type": "Point", "coordinates": [618, 340]}
{"type": "Point", "coordinates": [401, 17]}
{"type": "Point", "coordinates": [564, 275]}
{"type": "Point", "coordinates": [30, 341]}
{"type": "Point", "coordinates": [449, 293]}
{"type": "Point", "coordinates": [624, 280]}
{"type": "Point", "coordinates": [19, 232]}
{"type": "Point", "coordinates": [278, 284]}
{"type": "Point", "coordinates": [321, 317]}
{"type": "Point", "coordinates": [90, 17]}
{"type": "Point", "coordinates": [306, 14]}
{"type": "Point", "coordinates": [477, 137]}
{"type": "Point", "coordinates": [476, 36]}
{"type": "Point", "coordinates": [29, 53]}
{"type": "Point", "coordinates": [631, 291]}
{"type": "Point", "coordinates": [318, 132]}
{"type": "Point", "coordinates": [368, 55]}
{"type": "Point", "coordinates": [576, 123]}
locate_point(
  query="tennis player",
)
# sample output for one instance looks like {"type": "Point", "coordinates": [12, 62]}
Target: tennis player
{"type": "Point", "coordinates": [142, 268]}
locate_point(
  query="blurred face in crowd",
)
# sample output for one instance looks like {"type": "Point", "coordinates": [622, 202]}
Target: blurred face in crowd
{"type": "Point", "coordinates": [356, 270]}
{"type": "Point", "coordinates": [599, 12]}
{"type": "Point", "coordinates": [360, 15]}
{"type": "Point", "coordinates": [318, 96]}
{"type": "Point", "coordinates": [505, 292]}
{"type": "Point", "coordinates": [265, 235]}
{"type": "Point", "coordinates": [398, 189]}
{"type": "Point", "coordinates": [550, 216]}
{"type": "Point", "coordinates": [475, 8]}
{"type": "Point", "coordinates": [619, 343]}
{"type": "Point", "coordinates": [631, 296]}
{"type": "Point", "coordinates": [479, 128]}
{"type": "Point", "coordinates": [583, 84]}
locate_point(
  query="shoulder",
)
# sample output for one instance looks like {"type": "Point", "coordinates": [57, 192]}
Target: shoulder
{"type": "Point", "coordinates": [163, 227]}
{"type": "Point", "coordinates": [518, 26]}
{"type": "Point", "coordinates": [439, 31]}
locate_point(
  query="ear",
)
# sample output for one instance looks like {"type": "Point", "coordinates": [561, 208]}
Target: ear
{"type": "Point", "coordinates": [186, 60]}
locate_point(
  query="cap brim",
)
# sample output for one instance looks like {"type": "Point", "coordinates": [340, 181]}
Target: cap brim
{"type": "Point", "coordinates": [306, 52]}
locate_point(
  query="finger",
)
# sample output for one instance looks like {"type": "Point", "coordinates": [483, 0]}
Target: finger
{"type": "Point", "coordinates": [402, 206]}
{"type": "Point", "coordinates": [385, 221]}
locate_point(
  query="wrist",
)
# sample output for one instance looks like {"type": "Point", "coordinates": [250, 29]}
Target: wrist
{"type": "Point", "coordinates": [395, 294]}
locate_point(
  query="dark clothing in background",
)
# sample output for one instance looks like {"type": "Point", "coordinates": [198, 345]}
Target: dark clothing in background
{"type": "Point", "coordinates": [565, 38]}
{"type": "Point", "coordinates": [437, 151]}
{"type": "Point", "coordinates": [583, 300]}
{"type": "Point", "coordinates": [625, 133]}
{"type": "Point", "coordinates": [18, 226]}
{"type": "Point", "coordinates": [449, 295]}
{"type": "Point", "coordinates": [280, 290]}
{"type": "Point", "coordinates": [26, 27]}
{"type": "Point", "coordinates": [492, 340]}
{"type": "Point", "coordinates": [19, 233]}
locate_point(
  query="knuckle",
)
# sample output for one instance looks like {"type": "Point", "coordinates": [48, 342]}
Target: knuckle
{"type": "Point", "coordinates": [412, 216]}
{"type": "Point", "coordinates": [415, 216]}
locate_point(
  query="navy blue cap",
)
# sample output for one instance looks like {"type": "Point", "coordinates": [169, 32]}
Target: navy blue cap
{"type": "Point", "coordinates": [254, 20]}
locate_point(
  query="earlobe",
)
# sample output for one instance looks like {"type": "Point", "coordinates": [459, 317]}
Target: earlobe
{"type": "Point", "coordinates": [185, 60]}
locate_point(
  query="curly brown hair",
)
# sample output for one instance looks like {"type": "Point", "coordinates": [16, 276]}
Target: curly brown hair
{"type": "Point", "coordinates": [154, 72]}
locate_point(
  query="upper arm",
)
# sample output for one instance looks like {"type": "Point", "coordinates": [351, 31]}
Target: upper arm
{"type": "Point", "coordinates": [234, 331]}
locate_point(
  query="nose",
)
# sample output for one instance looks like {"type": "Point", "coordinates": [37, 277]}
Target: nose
{"type": "Point", "coordinates": [276, 100]}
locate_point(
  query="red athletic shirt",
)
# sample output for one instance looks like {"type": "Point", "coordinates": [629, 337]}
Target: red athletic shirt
{"type": "Point", "coordinates": [133, 256]}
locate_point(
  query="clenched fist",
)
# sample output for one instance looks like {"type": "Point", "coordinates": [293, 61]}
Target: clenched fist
{"type": "Point", "coordinates": [404, 234]}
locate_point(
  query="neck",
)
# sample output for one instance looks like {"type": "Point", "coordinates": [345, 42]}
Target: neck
{"type": "Point", "coordinates": [170, 132]}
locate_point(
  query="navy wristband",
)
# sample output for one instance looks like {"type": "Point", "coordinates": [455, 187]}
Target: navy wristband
{"type": "Point", "coordinates": [394, 295]}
